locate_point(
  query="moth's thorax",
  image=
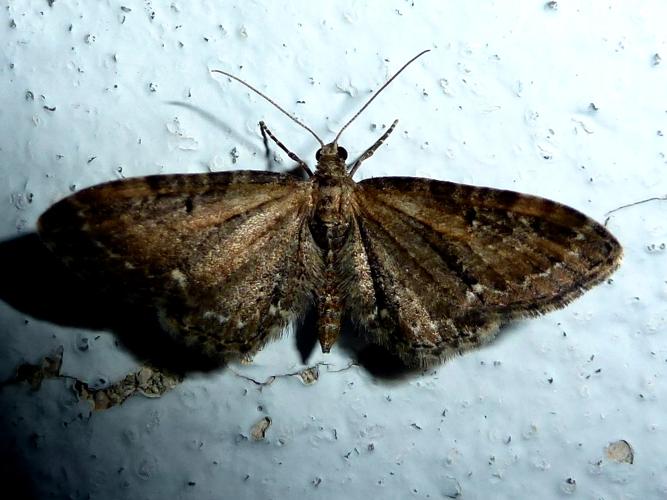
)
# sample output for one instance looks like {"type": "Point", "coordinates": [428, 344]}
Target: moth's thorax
{"type": "Point", "coordinates": [330, 166]}
{"type": "Point", "coordinates": [331, 199]}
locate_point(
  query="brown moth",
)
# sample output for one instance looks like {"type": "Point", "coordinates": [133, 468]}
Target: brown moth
{"type": "Point", "coordinates": [425, 268]}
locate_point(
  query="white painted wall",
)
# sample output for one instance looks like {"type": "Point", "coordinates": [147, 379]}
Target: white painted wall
{"type": "Point", "coordinates": [508, 83]}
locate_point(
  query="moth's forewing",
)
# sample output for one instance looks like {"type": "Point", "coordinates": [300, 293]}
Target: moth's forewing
{"type": "Point", "coordinates": [435, 267]}
{"type": "Point", "coordinates": [221, 256]}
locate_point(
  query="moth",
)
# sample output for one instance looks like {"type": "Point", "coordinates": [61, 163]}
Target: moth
{"type": "Point", "coordinates": [424, 268]}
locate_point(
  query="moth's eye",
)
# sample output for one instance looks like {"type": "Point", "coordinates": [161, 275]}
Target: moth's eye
{"type": "Point", "coordinates": [342, 153]}
{"type": "Point", "coordinates": [318, 154]}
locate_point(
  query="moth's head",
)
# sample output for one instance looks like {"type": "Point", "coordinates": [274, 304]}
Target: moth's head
{"type": "Point", "coordinates": [331, 152]}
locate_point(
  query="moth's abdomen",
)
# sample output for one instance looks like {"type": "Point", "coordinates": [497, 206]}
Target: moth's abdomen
{"type": "Point", "coordinates": [329, 310]}
{"type": "Point", "coordinates": [329, 301]}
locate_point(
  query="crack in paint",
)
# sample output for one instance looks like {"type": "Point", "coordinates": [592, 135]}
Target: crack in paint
{"type": "Point", "coordinates": [308, 376]}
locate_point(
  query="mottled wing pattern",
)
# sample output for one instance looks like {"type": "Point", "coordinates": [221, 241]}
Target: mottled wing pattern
{"type": "Point", "coordinates": [433, 268]}
{"type": "Point", "coordinates": [225, 258]}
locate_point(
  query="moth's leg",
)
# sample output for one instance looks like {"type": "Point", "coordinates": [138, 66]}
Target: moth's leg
{"type": "Point", "coordinates": [293, 156]}
{"type": "Point", "coordinates": [267, 150]}
{"type": "Point", "coordinates": [369, 152]}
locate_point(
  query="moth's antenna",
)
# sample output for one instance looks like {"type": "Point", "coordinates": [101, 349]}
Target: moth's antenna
{"type": "Point", "coordinates": [380, 90]}
{"type": "Point", "coordinates": [293, 118]}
